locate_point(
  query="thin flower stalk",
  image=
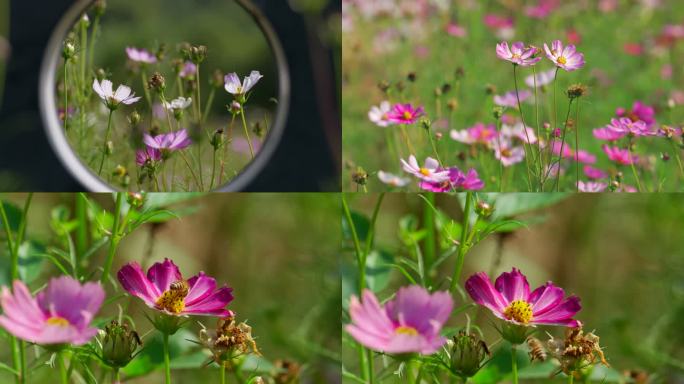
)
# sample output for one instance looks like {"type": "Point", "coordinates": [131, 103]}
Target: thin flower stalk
{"type": "Point", "coordinates": [244, 126]}
{"type": "Point", "coordinates": [522, 118]}
{"type": "Point", "coordinates": [562, 147]}
{"type": "Point", "coordinates": [462, 247]}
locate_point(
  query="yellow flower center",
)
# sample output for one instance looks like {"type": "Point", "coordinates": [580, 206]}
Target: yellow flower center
{"type": "Point", "coordinates": [408, 115]}
{"type": "Point", "coordinates": [515, 56]}
{"type": "Point", "coordinates": [520, 311]}
{"type": "Point", "coordinates": [424, 171]}
{"type": "Point", "coordinates": [562, 60]}
{"type": "Point", "coordinates": [58, 321]}
{"type": "Point", "coordinates": [404, 330]}
{"type": "Point", "coordinates": [173, 300]}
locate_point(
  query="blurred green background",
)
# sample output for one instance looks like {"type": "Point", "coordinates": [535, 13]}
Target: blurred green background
{"type": "Point", "coordinates": [421, 45]}
{"type": "Point", "coordinates": [622, 255]}
{"type": "Point", "coordinates": [276, 250]}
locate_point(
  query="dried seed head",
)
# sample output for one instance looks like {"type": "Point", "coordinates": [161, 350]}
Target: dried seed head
{"type": "Point", "coordinates": [446, 87]}
{"type": "Point", "coordinates": [577, 351]}
{"type": "Point", "coordinates": [360, 176]}
{"type": "Point", "coordinates": [411, 76]}
{"type": "Point", "coordinates": [157, 82]}
{"type": "Point", "coordinates": [288, 372]}
{"type": "Point", "coordinates": [452, 104]}
{"type": "Point", "coordinates": [384, 86]}
{"type": "Point", "coordinates": [576, 90]}
{"type": "Point", "coordinates": [229, 341]}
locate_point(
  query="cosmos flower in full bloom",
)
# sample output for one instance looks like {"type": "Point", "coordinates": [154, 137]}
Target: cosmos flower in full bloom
{"type": "Point", "coordinates": [140, 55]}
{"type": "Point", "coordinates": [235, 87]}
{"type": "Point", "coordinates": [111, 98]}
{"type": "Point", "coordinates": [477, 134]}
{"type": "Point", "coordinates": [510, 299]}
{"type": "Point", "coordinates": [164, 289]}
{"type": "Point", "coordinates": [518, 131]}
{"type": "Point", "coordinates": [594, 173]}
{"type": "Point", "coordinates": [506, 153]}
{"type": "Point", "coordinates": [518, 53]}
{"type": "Point", "coordinates": [171, 141]}
{"type": "Point", "coordinates": [379, 115]}
{"type": "Point", "coordinates": [564, 57]}
{"type": "Point", "coordinates": [639, 112]}
{"type": "Point", "coordinates": [458, 181]}
{"type": "Point", "coordinates": [59, 314]}
{"type": "Point", "coordinates": [591, 186]}
{"type": "Point", "coordinates": [409, 323]}
{"type": "Point", "coordinates": [147, 156]}
{"type": "Point", "coordinates": [430, 171]}
{"type": "Point", "coordinates": [393, 180]}
{"type": "Point", "coordinates": [177, 104]}
{"type": "Point", "coordinates": [619, 155]}
{"type": "Point", "coordinates": [405, 114]}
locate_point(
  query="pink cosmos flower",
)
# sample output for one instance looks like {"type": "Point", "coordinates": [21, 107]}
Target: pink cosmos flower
{"type": "Point", "coordinates": [393, 180]}
{"type": "Point", "coordinates": [619, 155]}
{"type": "Point", "coordinates": [430, 171]}
{"type": "Point", "coordinates": [510, 299]}
{"type": "Point", "coordinates": [517, 131]}
{"type": "Point", "coordinates": [458, 181]}
{"type": "Point", "coordinates": [456, 30]}
{"type": "Point", "coordinates": [506, 153]}
{"type": "Point", "coordinates": [147, 156]}
{"type": "Point", "coordinates": [543, 78]}
{"type": "Point", "coordinates": [140, 55]}
{"type": "Point", "coordinates": [60, 314]}
{"type": "Point", "coordinates": [165, 290]}
{"type": "Point", "coordinates": [517, 54]}
{"type": "Point", "coordinates": [591, 186]}
{"type": "Point", "coordinates": [171, 141]}
{"type": "Point", "coordinates": [405, 114]}
{"type": "Point", "coordinates": [510, 100]}
{"type": "Point", "coordinates": [594, 173]}
{"type": "Point", "coordinates": [608, 133]}
{"type": "Point", "coordinates": [380, 114]}
{"type": "Point", "coordinates": [584, 157]}
{"type": "Point", "coordinates": [639, 112]}
{"type": "Point", "coordinates": [503, 27]}
{"type": "Point", "coordinates": [477, 134]}
{"type": "Point", "coordinates": [556, 146]}
{"type": "Point", "coordinates": [542, 10]}
{"type": "Point", "coordinates": [409, 323]}
{"type": "Point", "coordinates": [564, 57]}
{"type": "Point", "coordinates": [626, 126]}
{"type": "Point", "coordinates": [189, 70]}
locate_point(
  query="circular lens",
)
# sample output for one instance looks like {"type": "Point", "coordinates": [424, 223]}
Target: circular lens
{"type": "Point", "coordinates": [164, 95]}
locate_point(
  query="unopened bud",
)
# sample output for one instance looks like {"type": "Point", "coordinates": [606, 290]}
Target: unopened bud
{"type": "Point", "coordinates": [134, 118]}
{"type": "Point", "coordinates": [119, 344]}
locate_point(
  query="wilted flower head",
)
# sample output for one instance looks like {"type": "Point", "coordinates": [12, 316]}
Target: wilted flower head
{"type": "Point", "coordinates": [380, 114]}
{"type": "Point", "coordinates": [140, 55]}
{"type": "Point", "coordinates": [405, 114]}
{"type": "Point", "coordinates": [510, 299]}
{"type": "Point", "coordinates": [119, 344]}
{"type": "Point", "coordinates": [564, 57]}
{"type": "Point", "coordinates": [393, 180]}
{"type": "Point", "coordinates": [229, 340]}
{"type": "Point", "coordinates": [171, 141]}
{"type": "Point", "coordinates": [112, 99]}
{"type": "Point", "coordinates": [409, 323]}
{"type": "Point", "coordinates": [577, 351]}
{"type": "Point", "coordinates": [430, 171]}
{"type": "Point", "coordinates": [517, 54]}
{"type": "Point", "coordinates": [235, 87]}
{"type": "Point", "coordinates": [164, 289]}
{"type": "Point", "coordinates": [60, 314]}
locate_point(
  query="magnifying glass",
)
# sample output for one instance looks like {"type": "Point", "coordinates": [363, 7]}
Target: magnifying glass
{"type": "Point", "coordinates": [164, 95]}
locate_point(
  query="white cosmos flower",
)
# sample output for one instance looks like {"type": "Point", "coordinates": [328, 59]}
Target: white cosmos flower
{"type": "Point", "coordinates": [393, 180]}
{"type": "Point", "coordinates": [178, 104]}
{"type": "Point", "coordinates": [235, 87]}
{"type": "Point", "coordinates": [112, 99]}
{"type": "Point", "coordinates": [378, 114]}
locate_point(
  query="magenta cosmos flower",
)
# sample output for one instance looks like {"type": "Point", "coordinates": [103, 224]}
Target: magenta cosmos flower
{"type": "Point", "coordinates": [517, 54]}
{"type": "Point", "coordinates": [60, 314]}
{"type": "Point", "coordinates": [140, 55]}
{"type": "Point", "coordinates": [410, 323]}
{"type": "Point", "coordinates": [171, 141]}
{"type": "Point", "coordinates": [564, 57]}
{"type": "Point", "coordinates": [594, 173]}
{"type": "Point", "coordinates": [619, 155]}
{"type": "Point", "coordinates": [405, 114]}
{"type": "Point", "coordinates": [165, 290]}
{"type": "Point", "coordinates": [146, 156]}
{"type": "Point", "coordinates": [510, 299]}
{"type": "Point", "coordinates": [639, 112]}
{"type": "Point", "coordinates": [430, 171]}
{"type": "Point", "coordinates": [458, 181]}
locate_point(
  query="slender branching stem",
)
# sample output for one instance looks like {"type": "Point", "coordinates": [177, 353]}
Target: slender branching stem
{"type": "Point", "coordinates": [562, 147]}
{"type": "Point", "coordinates": [522, 118]}
{"type": "Point", "coordinates": [114, 238]}
{"type": "Point", "coordinates": [460, 256]}
{"type": "Point", "coordinates": [244, 125]}
{"type": "Point", "coordinates": [104, 145]}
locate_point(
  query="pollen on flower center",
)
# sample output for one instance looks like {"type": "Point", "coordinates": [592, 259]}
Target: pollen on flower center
{"type": "Point", "coordinates": [58, 321]}
{"type": "Point", "coordinates": [562, 60]}
{"type": "Point", "coordinates": [424, 172]}
{"type": "Point", "coordinates": [407, 115]}
{"type": "Point", "coordinates": [520, 311]}
{"type": "Point", "coordinates": [173, 300]}
{"type": "Point", "coordinates": [405, 330]}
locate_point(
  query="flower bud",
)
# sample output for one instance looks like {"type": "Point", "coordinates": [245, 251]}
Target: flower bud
{"type": "Point", "coordinates": [452, 104]}
{"type": "Point", "coordinates": [134, 118]}
{"type": "Point", "coordinates": [438, 92]}
{"type": "Point", "coordinates": [483, 209]}
{"type": "Point", "coordinates": [217, 139]}
{"type": "Point", "coordinates": [119, 344]}
{"type": "Point", "coordinates": [425, 123]}
{"type": "Point", "coordinates": [109, 148]}
{"type": "Point", "coordinates": [490, 89]}
{"type": "Point", "coordinates": [217, 79]}
{"type": "Point", "coordinates": [99, 7]}
{"type": "Point", "coordinates": [135, 200]}
{"type": "Point", "coordinates": [161, 52]}
{"type": "Point", "coordinates": [446, 87]}
{"type": "Point", "coordinates": [157, 82]}
{"type": "Point", "coordinates": [234, 107]}
{"type": "Point", "coordinates": [384, 86]}
{"type": "Point", "coordinates": [497, 112]}
{"type": "Point", "coordinates": [69, 50]}
{"type": "Point", "coordinates": [195, 53]}
{"type": "Point", "coordinates": [101, 74]}
{"type": "Point", "coordinates": [84, 22]}
{"type": "Point", "coordinates": [467, 352]}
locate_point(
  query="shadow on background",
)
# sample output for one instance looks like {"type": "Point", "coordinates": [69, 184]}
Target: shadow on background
{"type": "Point", "coordinates": [308, 158]}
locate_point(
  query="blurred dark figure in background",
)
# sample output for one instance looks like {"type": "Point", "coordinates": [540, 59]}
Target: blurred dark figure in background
{"type": "Point", "coordinates": [307, 159]}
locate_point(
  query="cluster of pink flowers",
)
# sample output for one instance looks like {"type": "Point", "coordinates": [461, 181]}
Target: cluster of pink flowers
{"type": "Point", "coordinates": [386, 114]}
{"type": "Point", "coordinates": [565, 57]}
{"type": "Point", "coordinates": [435, 178]}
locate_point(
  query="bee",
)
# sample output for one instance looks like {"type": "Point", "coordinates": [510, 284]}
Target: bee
{"type": "Point", "coordinates": [537, 351]}
{"type": "Point", "coordinates": [180, 288]}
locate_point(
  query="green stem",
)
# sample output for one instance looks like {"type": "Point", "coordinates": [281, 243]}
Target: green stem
{"type": "Point", "coordinates": [634, 171]}
{"type": "Point", "coordinates": [66, 96]}
{"type": "Point", "coordinates": [536, 112]}
{"type": "Point", "coordinates": [434, 147]}
{"type": "Point", "coordinates": [192, 172]}
{"type": "Point", "coordinates": [460, 257]}
{"type": "Point", "coordinates": [522, 118]}
{"type": "Point", "coordinates": [199, 125]}
{"type": "Point", "coordinates": [63, 374]}
{"type": "Point", "coordinates": [514, 364]}
{"type": "Point", "coordinates": [167, 364]}
{"type": "Point", "coordinates": [82, 228]}
{"type": "Point", "coordinates": [562, 147]}
{"type": "Point", "coordinates": [676, 151]}
{"type": "Point", "coordinates": [213, 170]}
{"type": "Point", "coordinates": [431, 238]}
{"type": "Point", "coordinates": [143, 75]}
{"type": "Point", "coordinates": [571, 378]}
{"type": "Point", "coordinates": [104, 146]}
{"type": "Point", "coordinates": [114, 239]}
{"type": "Point", "coordinates": [93, 35]}
{"type": "Point", "coordinates": [408, 142]}
{"type": "Point", "coordinates": [577, 147]}
{"type": "Point", "coordinates": [222, 370]}
{"type": "Point", "coordinates": [244, 125]}
{"type": "Point", "coordinates": [84, 57]}
{"type": "Point", "coordinates": [498, 142]}
{"type": "Point", "coordinates": [210, 100]}
{"type": "Point", "coordinates": [370, 367]}
{"type": "Point", "coordinates": [22, 362]}
{"type": "Point", "coordinates": [116, 376]}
